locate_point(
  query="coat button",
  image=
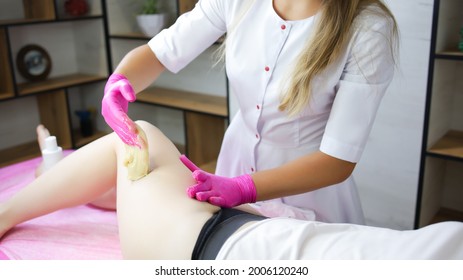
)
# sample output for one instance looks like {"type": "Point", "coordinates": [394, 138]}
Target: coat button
{"type": "Point", "coordinates": [283, 27]}
{"type": "Point", "coordinates": [267, 68]}
{"type": "Point", "coordinates": [258, 107]}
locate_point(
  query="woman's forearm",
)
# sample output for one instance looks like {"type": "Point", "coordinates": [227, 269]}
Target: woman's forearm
{"type": "Point", "coordinates": [302, 175]}
{"type": "Point", "coordinates": [141, 67]}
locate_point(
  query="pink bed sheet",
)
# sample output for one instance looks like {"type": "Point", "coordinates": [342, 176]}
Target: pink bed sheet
{"type": "Point", "coordinates": [78, 233]}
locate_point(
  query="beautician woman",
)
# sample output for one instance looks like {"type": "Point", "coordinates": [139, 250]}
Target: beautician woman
{"type": "Point", "coordinates": [308, 75]}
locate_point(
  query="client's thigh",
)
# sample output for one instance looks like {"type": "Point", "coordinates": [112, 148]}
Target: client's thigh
{"type": "Point", "coordinates": [157, 220]}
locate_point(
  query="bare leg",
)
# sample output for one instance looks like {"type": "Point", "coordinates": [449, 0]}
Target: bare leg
{"type": "Point", "coordinates": [156, 218]}
{"type": "Point", "coordinates": [77, 179]}
{"type": "Point", "coordinates": [106, 201]}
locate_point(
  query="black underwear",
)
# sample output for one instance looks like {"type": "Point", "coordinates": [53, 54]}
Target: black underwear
{"type": "Point", "coordinates": [217, 230]}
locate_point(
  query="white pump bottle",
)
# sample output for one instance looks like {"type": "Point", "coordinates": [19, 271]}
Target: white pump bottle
{"type": "Point", "coordinates": [52, 153]}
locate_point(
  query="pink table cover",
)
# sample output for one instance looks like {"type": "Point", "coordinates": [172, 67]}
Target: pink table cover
{"type": "Point", "coordinates": [78, 233]}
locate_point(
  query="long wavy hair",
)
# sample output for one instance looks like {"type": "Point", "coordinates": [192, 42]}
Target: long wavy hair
{"type": "Point", "coordinates": [331, 36]}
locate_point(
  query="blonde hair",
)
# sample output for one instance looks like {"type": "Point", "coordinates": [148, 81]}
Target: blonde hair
{"type": "Point", "coordinates": [330, 38]}
{"type": "Point", "coordinates": [332, 34]}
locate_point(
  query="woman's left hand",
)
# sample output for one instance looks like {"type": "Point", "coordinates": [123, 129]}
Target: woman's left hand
{"type": "Point", "coordinates": [220, 191]}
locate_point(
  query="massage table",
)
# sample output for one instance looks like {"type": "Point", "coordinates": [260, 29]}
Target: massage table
{"type": "Point", "coordinates": [77, 233]}
{"type": "Point", "coordinates": [89, 233]}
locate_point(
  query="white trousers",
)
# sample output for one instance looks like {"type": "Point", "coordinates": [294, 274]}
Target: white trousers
{"type": "Point", "coordinates": [290, 239]}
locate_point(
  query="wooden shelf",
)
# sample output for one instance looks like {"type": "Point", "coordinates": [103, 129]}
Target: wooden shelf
{"type": "Point", "coordinates": [6, 79]}
{"type": "Point", "coordinates": [58, 83]}
{"type": "Point", "coordinates": [130, 35]}
{"type": "Point", "coordinates": [190, 101]}
{"type": "Point", "coordinates": [440, 166]}
{"type": "Point", "coordinates": [185, 5]}
{"type": "Point", "coordinates": [450, 54]}
{"type": "Point", "coordinates": [52, 102]}
{"type": "Point", "coordinates": [30, 21]}
{"type": "Point", "coordinates": [450, 145]}
{"type": "Point", "coordinates": [445, 215]}
{"type": "Point", "coordinates": [6, 95]}
{"type": "Point", "coordinates": [76, 18]}
{"type": "Point", "coordinates": [35, 11]}
{"type": "Point", "coordinates": [19, 153]}
{"type": "Point", "coordinates": [141, 36]}
{"type": "Point", "coordinates": [21, 21]}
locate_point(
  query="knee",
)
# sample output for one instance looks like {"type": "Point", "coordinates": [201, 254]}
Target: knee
{"type": "Point", "coordinates": [146, 126]}
{"type": "Point", "coordinates": [143, 124]}
{"type": "Point", "coordinates": [151, 131]}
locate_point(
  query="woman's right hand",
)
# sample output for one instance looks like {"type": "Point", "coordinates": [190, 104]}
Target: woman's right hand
{"type": "Point", "coordinates": [118, 93]}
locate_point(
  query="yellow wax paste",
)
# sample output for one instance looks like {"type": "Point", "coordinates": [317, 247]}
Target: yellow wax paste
{"type": "Point", "coordinates": [137, 158]}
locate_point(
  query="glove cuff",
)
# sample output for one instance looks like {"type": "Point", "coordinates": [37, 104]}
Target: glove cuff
{"type": "Point", "coordinates": [112, 79]}
{"type": "Point", "coordinates": [116, 77]}
{"type": "Point", "coordinates": [248, 189]}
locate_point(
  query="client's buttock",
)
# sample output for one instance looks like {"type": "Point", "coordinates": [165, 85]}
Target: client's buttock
{"type": "Point", "coordinates": [157, 220]}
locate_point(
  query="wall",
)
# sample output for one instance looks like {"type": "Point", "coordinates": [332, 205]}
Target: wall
{"type": "Point", "coordinates": [387, 175]}
{"type": "Point", "coordinates": [11, 9]}
{"type": "Point", "coordinates": [18, 120]}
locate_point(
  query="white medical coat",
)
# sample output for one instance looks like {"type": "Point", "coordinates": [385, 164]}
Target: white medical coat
{"type": "Point", "coordinates": [261, 51]}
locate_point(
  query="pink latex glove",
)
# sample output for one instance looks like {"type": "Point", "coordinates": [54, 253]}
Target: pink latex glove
{"type": "Point", "coordinates": [118, 93]}
{"type": "Point", "coordinates": [220, 191]}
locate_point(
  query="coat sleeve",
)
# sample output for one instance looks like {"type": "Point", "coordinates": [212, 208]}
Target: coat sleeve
{"type": "Point", "coordinates": [367, 73]}
{"type": "Point", "coordinates": [190, 35]}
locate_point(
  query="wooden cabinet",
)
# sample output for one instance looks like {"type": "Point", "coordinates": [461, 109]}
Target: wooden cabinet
{"type": "Point", "coordinates": [84, 50]}
{"type": "Point", "coordinates": [6, 77]}
{"type": "Point", "coordinates": [77, 49]}
{"type": "Point", "coordinates": [440, 191]}
{"type": "Point", "coordinates": [185, 5]}
{"type": "Point", "coordinates": [205, 115]}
